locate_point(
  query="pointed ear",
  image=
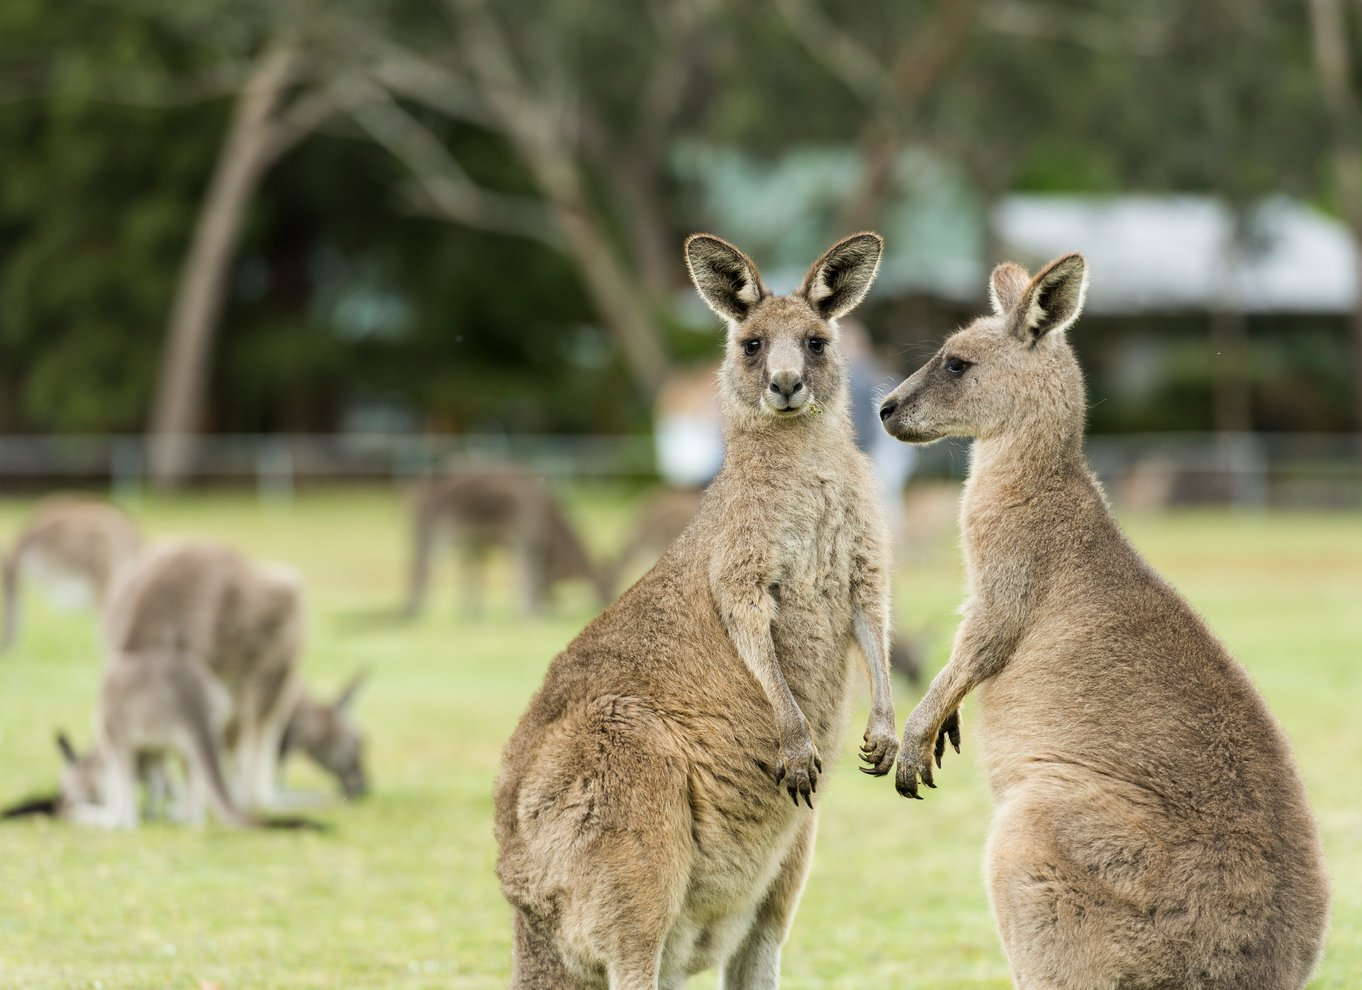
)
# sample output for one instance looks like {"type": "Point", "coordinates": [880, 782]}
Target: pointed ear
{"type": "Point", "coordinates": [1052, 300]}
{"type": "Point", "coordinates": [347, 694]}
{"type": "Point", "coordinates": [1006, 285]}
{"type": "Point", "coordinates": [68, 752]}
{"type": "Point", "coordinates": [839, 280]}
{"type": "Point", "coordinates": [726, 279]}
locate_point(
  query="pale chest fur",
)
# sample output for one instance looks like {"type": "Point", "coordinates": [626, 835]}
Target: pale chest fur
{"type": "Point", "coordinates": [819, 534]}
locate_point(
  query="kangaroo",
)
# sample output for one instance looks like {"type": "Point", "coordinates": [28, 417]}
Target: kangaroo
{"type": "Point", "coordinates": [647, 806]}
{"type": "Point", "coordinates": [152, 705]}
{"type": "Point", "coordinates": [329, 736]}
{"type": "Point", "coordinates": [666, 515]}
{"type": "Point", "coordinates": [1151, 828]}
{"type": "Point", "coordinates": [76, 544]}
{"type": "Point", "coordinates": [479, 510]}
{"type": "Point", "coordinates": [205, 604]}
{"type": "Point", "coordinates": [663, 518]}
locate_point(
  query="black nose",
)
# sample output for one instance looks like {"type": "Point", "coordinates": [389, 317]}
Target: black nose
{"type": "Point", "coordinates": [887, 409]}
{"type": "Point", "coordinates": [793, 389]}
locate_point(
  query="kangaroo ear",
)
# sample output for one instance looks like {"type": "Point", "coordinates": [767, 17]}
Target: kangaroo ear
{"type": "Point", "coordinates": [726, 279]}
{"type": "Point", "coordinates": [347, 694]}
{"type": "Point", "coordinates": [1052, 300]}
{"type": "Point", "coordinates": [1006, 285]}
{"type": "Point", "coordinates": [68, 752]}
{"type": "Point", "coordinates": [838, 281]}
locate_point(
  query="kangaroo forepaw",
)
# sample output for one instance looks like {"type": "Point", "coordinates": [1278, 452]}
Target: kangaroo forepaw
{"type": "Point", "coordinates": [922, 748]}
{"type": "Point", "coordinates": [879, 749]}
{"type": "Point", "coordinates": [799, 766]}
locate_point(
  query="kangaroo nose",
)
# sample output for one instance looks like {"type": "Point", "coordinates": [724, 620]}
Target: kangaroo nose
{"type": "Point", "coordinates": [786, 384]}
{"type": "Point", "coordinates": [887, 409]}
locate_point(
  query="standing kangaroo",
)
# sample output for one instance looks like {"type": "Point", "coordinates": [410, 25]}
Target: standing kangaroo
{"type": "Point", "coordinates": [241, 622]}
{"type": "Point", "coordinates": [1151, 829]}
{"type": "Point", "coordinates": [74, 543]}
{"type": "Point", "coordinates": [479, 510]}
{"type": "Point", "coordinates": [647, 806]}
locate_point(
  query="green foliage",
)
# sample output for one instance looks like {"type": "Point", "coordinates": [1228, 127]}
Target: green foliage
{"type": "Point", "coordinates": [112, 136]}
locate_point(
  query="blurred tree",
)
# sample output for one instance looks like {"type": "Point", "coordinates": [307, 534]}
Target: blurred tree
{"type": "Point", "coordinates": [1337, 40]}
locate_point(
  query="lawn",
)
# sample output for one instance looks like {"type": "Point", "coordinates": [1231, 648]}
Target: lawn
{"type": "Point", "coordinates": [401, 893]}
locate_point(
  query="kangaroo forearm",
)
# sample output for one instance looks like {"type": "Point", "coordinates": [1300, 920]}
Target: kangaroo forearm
{"type": "Point", "coordinates": [872, 636]}
{"type": "Point", "coordinates": [758, 653]}
{"type": "Point", "coordinates": [974, 660]}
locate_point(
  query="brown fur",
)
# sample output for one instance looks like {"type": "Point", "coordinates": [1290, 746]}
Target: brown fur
{"type": "Point", "coordinates": [242, 621]}
{"type": "Point", "coordinates": [481, 510]}
{"type": "Point", "coordinates": [74, 539]}
{"type": "Point", "coordinates": [644, 805]}
{"type": "Point", "coordinates": [1151, 828]}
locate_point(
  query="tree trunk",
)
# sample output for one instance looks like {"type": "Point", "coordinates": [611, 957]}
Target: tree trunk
{"type": "Point", "coordinates": [246, 154]}
{"type": "Point", "coordinates": [917, 70]}
{"type": "Point", "coordinates": [1333, 67]}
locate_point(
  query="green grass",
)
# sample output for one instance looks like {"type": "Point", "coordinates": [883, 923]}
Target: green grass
{"type": "Point", "coordinates": [402, 894]}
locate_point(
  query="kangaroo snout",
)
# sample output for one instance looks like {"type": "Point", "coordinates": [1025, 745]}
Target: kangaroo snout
{"type": "Point", "coordinates": [786, 390]}
{"type": "Point", "coordinates": [887, 410]}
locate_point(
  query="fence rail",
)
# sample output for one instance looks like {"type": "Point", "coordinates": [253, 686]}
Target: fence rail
{"type": "Point", "coordinates": [1241, 469]}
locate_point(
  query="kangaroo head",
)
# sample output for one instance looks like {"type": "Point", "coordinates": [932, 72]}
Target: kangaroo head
{"type": "Point", "coordinates": [81, 776]}
{"type": "Point", "coordinates": [329, 735]}
{"type": "Point", "coordinates": [782, 360]}
{"type": "Point", "coordinates": [1005, 371]}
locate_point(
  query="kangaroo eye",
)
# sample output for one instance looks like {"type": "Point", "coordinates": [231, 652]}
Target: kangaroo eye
{"type": "Point", "coordinates": [957, 366]}
{"type": "Point", "coordinates": [816, 345]}
{"type": "Point", "coordinates": [751, 347]}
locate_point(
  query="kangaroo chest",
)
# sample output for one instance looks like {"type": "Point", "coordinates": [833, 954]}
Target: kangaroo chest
{"type": "Point", "coordinates": [812, 631]}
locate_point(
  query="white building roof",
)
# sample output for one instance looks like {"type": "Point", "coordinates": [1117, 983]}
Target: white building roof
{"type": "Point", "coordinates": [1177, 252]}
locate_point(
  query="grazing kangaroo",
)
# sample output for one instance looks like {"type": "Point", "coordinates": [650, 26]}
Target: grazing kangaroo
{"type": "Point", "coordinates": [152, 705]}
{"type": "Point", "coordinates": [1151, 829]}
{"type": "Point", "coordinates": [327, 733]}
{"type": "Point", "coordinates": [647, 806]}
{"type": "Point", "coordinates": [206, 605]}
{"type": "Point", "coordinates": [75, 544]}
{"type": "Point", "coordinates": [480, 510]}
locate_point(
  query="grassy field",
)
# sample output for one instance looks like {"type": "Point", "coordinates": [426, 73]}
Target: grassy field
{"type": "Point", "coordinates": [401, 894]}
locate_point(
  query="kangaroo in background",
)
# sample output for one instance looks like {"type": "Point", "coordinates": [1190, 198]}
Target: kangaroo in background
{"type": "Point", "coordinates": [647, 806]}
{"type": "Point", "coordinates": [1151, 828]}
{"type": "Point", "coordinates": [75, 545]}
{"type": "Point", "coordinates": [165, 709]}
{"type": "Point", "coordinates": [206, 605]}
{"type": "Point", "coordinates": [330, 737]}
{"type": "Point", "coordinates": [152, 706]}
{"type": "Point", "coordinates": [477, 511]}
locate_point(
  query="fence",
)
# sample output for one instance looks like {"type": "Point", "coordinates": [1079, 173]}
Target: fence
{"type": "Point", "coordinates": [1249, 470]}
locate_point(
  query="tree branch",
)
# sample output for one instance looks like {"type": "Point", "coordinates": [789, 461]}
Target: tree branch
{"type": "Point", "coordinates": [449, 191]}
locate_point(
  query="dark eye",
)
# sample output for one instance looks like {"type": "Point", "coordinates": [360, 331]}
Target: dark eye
{"type": "Point", "coordinates": [816, 344]}
{"type": "Point", "coordinates": [751, 347]}
{"type": "Point", "coordinates": [957, 366]}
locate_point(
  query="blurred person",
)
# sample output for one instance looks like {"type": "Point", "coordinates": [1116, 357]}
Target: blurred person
{"type": "Point", "coordinates": [687, 433]}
